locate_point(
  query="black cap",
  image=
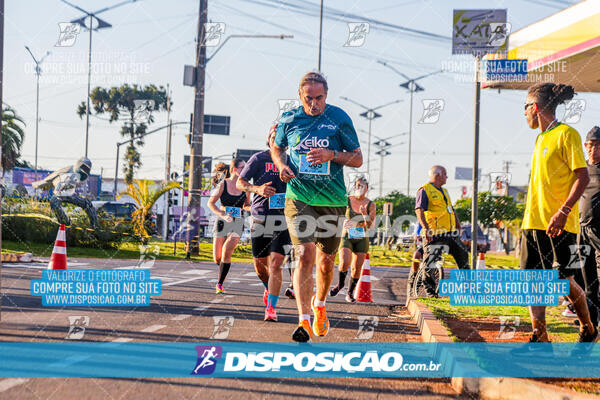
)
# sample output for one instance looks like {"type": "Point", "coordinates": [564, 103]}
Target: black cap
{"type": "Point", "coordinates": [593, 134]}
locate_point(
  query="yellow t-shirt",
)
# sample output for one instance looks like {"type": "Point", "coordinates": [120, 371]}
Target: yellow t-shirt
{"type": "Point", "coordinates": [558, 153]}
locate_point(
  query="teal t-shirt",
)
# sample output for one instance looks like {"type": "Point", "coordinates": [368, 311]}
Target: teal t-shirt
{"type": "Point", "coordinates": [321, 185]}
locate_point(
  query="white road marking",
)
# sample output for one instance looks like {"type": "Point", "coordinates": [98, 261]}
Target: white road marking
{"type": "Point", "coordinates": [6, 384]}
{"type": "Point", "coordinates": [195, 272]}
{"type": "Point", "coordinates": [153, 328]}
{"type": "Point", "coordinates": [201, 308]}
{"type": "Point", "coordinates": [180, 317]}
{"type": "Point", "coordinates": [164, 278]}
{"type": "Point", "coordinates": [184, 281]}
{"type": "Point", "coordinates": [122, 340]}
{"type": "Point", "coordinates": [216, 301]}
{"type": "Point", "coordinates": [250, 274]}
{"type": "Point", "coordinates": [15, 265]}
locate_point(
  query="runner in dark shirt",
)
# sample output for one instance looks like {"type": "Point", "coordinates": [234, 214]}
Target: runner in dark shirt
{"type": "Point", "coordinates": [269, 234]}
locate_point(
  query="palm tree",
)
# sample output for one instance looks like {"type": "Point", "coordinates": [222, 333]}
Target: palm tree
{"type": "Point", "coordinates": [12, 138]}
{"type": "Point", "coordinates": [145, 195]}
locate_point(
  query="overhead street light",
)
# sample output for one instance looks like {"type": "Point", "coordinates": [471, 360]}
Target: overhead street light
{"type": "Point", "coordinates": [101, 24]}
{"type": "Point", "coordinates": [370, 115]}
{"type": "Point", "coordinates": [38, 72]}
{"type": "Point", "coordinates": [412, 86]}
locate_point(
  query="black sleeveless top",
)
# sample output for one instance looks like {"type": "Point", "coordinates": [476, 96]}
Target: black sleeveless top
{"type": "Point", "coordinates": [229, 200]}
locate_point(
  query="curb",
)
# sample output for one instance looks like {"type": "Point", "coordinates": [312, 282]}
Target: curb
{"type": "Point", "coordinates": [488, 388]}
{"type": "Point", "coordinates": [430, 328]}
{"type": "Point", "coordinates": [15, 257]}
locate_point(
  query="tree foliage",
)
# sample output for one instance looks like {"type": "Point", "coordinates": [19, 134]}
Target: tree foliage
{"type": "Point", "coordinates": [145, 195]}
{"type": "Point", "coordinates": [490, 209]}
{"type": "Point", "coordinates": [13, 135]}
{"type": "Point", "coordinates": [126, 104]}
{"type": "Point", "coordinates": [402, 204]}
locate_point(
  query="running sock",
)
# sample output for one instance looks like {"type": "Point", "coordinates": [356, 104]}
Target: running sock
{"type": "Point", "coordinates": [353, 285]}
{"type": "Point", "coordinates": [223, 270]}
{"type": "Point", "coordinates": [342, 279]}
{"type": "Point", "coordinates": [304, 317]}
{"type": "Point", "coordinates": [266, 285]}
{"type": "Point", "coordinates": [272, 301]}
{"type": "Point", "coordinates": [319, 303]}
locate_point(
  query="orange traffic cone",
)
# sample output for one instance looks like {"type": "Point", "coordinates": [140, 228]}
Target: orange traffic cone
{"type": "Point", "coordinates": [363, 289]}
{"type": "Point", "coordinates": [58, 260]}
{"type": "Point", "coordinates": [481, 261]}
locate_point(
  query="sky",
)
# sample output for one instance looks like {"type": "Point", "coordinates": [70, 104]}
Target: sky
{"type": "Point", "coordinates": [151, 41]}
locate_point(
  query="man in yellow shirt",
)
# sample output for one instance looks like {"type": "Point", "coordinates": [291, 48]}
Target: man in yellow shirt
{"type": "Point", "coordinates": [550, 225]}
{"type": "Point", "coordinates": [440, 225]}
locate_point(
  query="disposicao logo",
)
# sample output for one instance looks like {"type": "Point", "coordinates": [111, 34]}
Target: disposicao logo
{"type": "Point", "coordinates": [317, 362]}
{"type": "Point", "coordinates": [207, 359]}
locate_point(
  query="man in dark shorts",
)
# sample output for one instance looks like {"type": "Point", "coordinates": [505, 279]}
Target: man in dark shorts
{"type": "Point", "coordinates": [322, 140]}
{"type": "Point", "coordinates": [269, 234]}
{"type": "Point", "coordinates": [440, 226]}
{"type": "Point", "coordinates": [558, 178]}
{"type": "Point", "coordinates": [589, 219]}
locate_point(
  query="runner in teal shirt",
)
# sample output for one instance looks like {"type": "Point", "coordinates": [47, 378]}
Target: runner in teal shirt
{"type": "Point", "coordinates": [321, 184]}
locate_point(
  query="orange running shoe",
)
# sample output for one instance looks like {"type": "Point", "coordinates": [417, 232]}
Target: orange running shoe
{"type": "Point", "coordinates": [320, 323]}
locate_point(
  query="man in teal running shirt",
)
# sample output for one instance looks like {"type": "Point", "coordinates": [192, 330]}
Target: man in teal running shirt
{"type": "Point", "coordinates": [322, 140]}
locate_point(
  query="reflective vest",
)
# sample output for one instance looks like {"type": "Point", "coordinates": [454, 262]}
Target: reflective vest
{"type": "Point", "coordinates": [439, 214]}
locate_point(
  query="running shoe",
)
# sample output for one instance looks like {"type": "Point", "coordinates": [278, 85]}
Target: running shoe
{"type": "Point", "coordinates": [219, 289]}
{"type": "Point", "coordinates": [350, 298]}
{"type": "Point", "coordinates": [270, 314]}
{"type": "Point", "coordinates": [303, 332]}
{"type": "Point", "coordinates": [585, 337]}
{"type": "Point", "coordinates": [289, 292]}
{"type": "Point", "coordinates": [320, 323]}
{"type": "Point", "coordinates": [569, 312]}
{"type": "Point", "coordinates": [334, 291]}
{"type": "Point", "coordinates": [266, 297]}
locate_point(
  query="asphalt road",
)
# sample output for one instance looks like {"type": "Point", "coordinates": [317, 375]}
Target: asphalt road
{"type": "Point", "coordinates": [189, 311]}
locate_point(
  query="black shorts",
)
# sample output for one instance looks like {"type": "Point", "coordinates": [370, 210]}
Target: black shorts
{"type": "Point", "coordinates": [540, 251]}
{"type": "Point", "coordinates": [264, 243]}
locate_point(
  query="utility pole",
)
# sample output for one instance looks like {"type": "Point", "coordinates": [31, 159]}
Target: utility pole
{"type": "Point", "coordinates": [165, 224]}
{"type": "Point", "coordinates": [195, 180]}
{"type": "Point", "coordinates": [320, 36]}
{"type": "Point", "coordinates": [1, 85]}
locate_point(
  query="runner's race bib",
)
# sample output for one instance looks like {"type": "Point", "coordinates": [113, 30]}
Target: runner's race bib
{"type": "Point", "coordinates": [356, 233]}
{"type": "Point", "coordinates": [235, 212]}
{"type": "Point", "coordinates": [316, 169]}
{"type": "Point", "coordinates": [277, 201]}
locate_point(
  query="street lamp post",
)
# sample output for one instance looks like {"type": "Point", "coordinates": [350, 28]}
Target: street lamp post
{"type": "Point", "coordinates": [101, 24]}
{"type": "Point", "coordinates": [412, 86]}
{"type": "Point", "coordinates": [38, 71]}
{"type": "Point", "coordinates": [370, 115]}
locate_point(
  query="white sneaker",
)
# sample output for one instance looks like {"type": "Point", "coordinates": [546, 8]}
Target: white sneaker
{"type": "Point", "coordinates": [568, 313]}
